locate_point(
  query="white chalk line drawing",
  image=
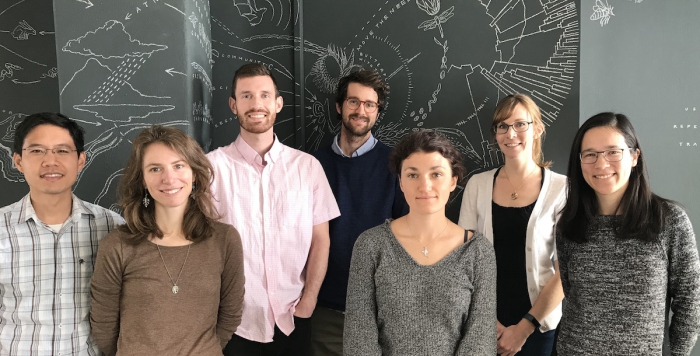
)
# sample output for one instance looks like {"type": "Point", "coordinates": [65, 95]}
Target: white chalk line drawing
{"type": "Point", "coordinates": [23, 57]}
{"type": "Point", "coordinates": [142, 110]}
{"type": "Point", "coordinates": [11, 6]}
{"type": "Point", "coordinates": [22, 31]}
{"type": "Point", "coordinates": [172, 70]}
{"type": "Point", "coordinates": [432, 8]}
{"type": "Point", "coordinates": [83, 68]}
{"type": "Point", "coordinates": [254, 12]}
{"type": "Point", "coordinates": [319, 71]}
{"type": "Point", "coordinates": [103, 39]}
{"type": "Point", "coordinates": [602, 11]}
{"type": "Point", "coordinates": [106, 188]}
{"type": "Point", "coordinates": [7, 130]}
{"type": "Point", "coordinates": [204, 75]}
{"type": "Point", "coordinates": [86, 2]}
{"type": "Point", "coordinates": [9, 71]}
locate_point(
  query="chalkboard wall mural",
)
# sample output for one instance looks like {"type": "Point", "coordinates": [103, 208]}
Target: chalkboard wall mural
{"type": "Point", "coordinates": [127, 65]}
{"type": "Point", "coordinates": [448, 64]}
{"type": "Point", "coordinates": [28, 78]}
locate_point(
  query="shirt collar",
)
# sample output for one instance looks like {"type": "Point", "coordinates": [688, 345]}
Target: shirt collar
{"type": "Point", "coordinates": [78, 208]}
{"type": "Point", "coordinates": [366, 147]}
{"type": "Point", "coordinates": [252, 157]}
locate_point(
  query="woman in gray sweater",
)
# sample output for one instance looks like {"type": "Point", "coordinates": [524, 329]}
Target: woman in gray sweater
{"type": "Point", "coordinates": [625, 254]}
{"type": "Point", "coordinates": [420, 284]}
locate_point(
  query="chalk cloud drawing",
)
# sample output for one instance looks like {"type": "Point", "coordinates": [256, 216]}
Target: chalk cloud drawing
{"type": "Point", "coordinates": [116, 108]}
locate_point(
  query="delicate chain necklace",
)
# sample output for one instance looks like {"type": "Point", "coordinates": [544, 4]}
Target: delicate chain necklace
{"type": "Point", "coordinates": [425, 247]}
{"type": "Point", "coordinates": [175, 288]}
{"type": "Point", "coordinates": [515, 193]}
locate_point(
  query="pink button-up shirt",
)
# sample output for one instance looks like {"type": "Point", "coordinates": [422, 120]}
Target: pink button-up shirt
{"type": "Point", "coordinates": [274, 207]}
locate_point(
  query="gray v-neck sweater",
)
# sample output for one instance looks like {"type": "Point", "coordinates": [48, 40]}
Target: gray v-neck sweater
{"type": "Point", "coordinates": [396, 306]}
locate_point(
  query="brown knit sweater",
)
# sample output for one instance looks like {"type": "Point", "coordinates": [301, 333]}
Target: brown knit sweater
{"type": "Point", "coordinates": [134, 311]}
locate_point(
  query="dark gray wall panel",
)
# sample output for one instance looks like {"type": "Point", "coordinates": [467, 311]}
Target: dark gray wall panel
{"type": "Point", "coordinates": [448, 65]}
{"type": "Point", "coordinates": [249, 31]}
{"type": "Point", "coordinates": [642, 61]}
{"type": "Point", "coordinates": [28, 78]}
{"type": "Point", "coordinates": [124, 66]}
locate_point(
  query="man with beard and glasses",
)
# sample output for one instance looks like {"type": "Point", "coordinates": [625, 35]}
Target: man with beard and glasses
{"type": "Point", "coordinates": [280, 202]}
{"type": "Point", "coordinates": [357, 167]}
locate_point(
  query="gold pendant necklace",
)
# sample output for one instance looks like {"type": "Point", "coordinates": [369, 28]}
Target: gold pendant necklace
{"type": "Point", "coordinates": [425, 247]}
{"type": "Point", "coordinates": [175, 288]}
{"type": "Point", "coordinates": [515, 193]}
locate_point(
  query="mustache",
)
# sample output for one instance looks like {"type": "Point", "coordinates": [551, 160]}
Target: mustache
{"type": "Point", "coordinates": [357, 116]}
{"type": "Point", "coordinates": [252, 111]}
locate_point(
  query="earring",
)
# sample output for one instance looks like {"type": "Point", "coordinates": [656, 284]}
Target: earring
{"type": "Point", "coordinates": [145, 200]}
{"type": "Point", "coordinates": [192, 192]}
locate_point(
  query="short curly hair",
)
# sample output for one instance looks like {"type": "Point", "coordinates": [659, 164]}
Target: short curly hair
{"type": "Point", "coordinates": [427, 141]}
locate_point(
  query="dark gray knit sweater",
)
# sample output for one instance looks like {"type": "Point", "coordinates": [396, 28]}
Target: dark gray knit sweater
{"type": "Point", "coordinates": [396, 306]}
{"type": "Point", "coordinates": [616, 290]}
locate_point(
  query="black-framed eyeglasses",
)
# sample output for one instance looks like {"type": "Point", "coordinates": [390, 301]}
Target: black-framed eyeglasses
{"type": "Point", "coordinates": [41, 152]}
{"type": "Point", "coordinates": [611, 155]}
{"type": "Point", "coordinates": [518, 126]}
{"type": "Point", "coordinates": [354, 104]}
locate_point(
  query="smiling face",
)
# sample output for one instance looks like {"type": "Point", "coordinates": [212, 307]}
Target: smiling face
{"type": "Point", "coordinates": [518, 145]}
{"type": "Point", "coordinates": [427, 181]}
{"type": "Point", "coordinates": [609, 180]}
{"type": "Point", "coordinates": [49, 174]}
{"type": "Point", "coordinates": [256, 104]}
{"type": "Point", "coordinates": [358, 122]}
{"type": "Point", "coordinates": [167, 176]}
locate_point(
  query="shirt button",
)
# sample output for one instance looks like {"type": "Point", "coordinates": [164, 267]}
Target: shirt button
{"type": "Point", "coordinates": [529, 269]}
{"type": "Point", "coordinates": [269, 269]}
{"type": "Point", "coordinates": [60, 325]}
{"type": "Point", "coordinates": [529, 248]}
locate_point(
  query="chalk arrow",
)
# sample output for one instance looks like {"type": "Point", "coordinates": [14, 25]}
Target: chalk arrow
{"type": "Point", "coordinates": [87, 2]}
{"type": "Point", "coordinates": [128, 16]}
{"type": "Point", "coordinates": [171, 71]}
{"type": "Point", "coordinates": [43, 33]}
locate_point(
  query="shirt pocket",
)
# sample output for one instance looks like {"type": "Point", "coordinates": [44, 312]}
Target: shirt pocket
{"type": "Point", "coordinates": [293, 208]}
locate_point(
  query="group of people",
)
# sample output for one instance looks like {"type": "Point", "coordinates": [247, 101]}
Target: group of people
{"type": "Point", "coordinates": [257, 248]}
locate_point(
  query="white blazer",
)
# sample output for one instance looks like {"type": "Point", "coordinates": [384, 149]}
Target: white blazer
{"type": "Point", "coordinates": [540, 240]}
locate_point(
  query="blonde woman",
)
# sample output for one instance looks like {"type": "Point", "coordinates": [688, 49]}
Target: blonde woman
{"type": "Point", "coordinates": [516, 207]}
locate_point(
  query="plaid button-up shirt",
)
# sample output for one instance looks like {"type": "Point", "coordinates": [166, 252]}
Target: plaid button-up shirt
{"type": "Point", "coordinates": [45, 279]}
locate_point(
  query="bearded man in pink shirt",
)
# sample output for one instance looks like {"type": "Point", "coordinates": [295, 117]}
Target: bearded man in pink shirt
{"type": "Point", "coordinates": [279, 200]}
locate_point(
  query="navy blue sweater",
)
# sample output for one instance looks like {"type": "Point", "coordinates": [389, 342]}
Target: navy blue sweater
{"type": "Point", "coordinates": [367, 194]}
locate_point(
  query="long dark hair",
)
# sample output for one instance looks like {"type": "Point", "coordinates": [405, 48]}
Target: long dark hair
{"type": "Point", "coordinates": [200, 212]}
{"type": "Point", "coordinates": [642, 211]}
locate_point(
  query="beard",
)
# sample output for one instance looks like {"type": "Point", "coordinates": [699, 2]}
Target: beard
{"type": "Point", "coordinates": [356, 131]}
{"type": "Point", "coordinates": [257, 127]}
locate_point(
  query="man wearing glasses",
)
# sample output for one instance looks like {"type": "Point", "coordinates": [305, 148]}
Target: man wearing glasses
{"type": "Point", "coordinates": [48, 244]}
{"type": "Point", "coordinates": [357, 167]}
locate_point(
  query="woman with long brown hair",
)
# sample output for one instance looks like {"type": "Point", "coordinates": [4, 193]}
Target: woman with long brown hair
{"type": "Point", "coordinates": [170, 281]}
